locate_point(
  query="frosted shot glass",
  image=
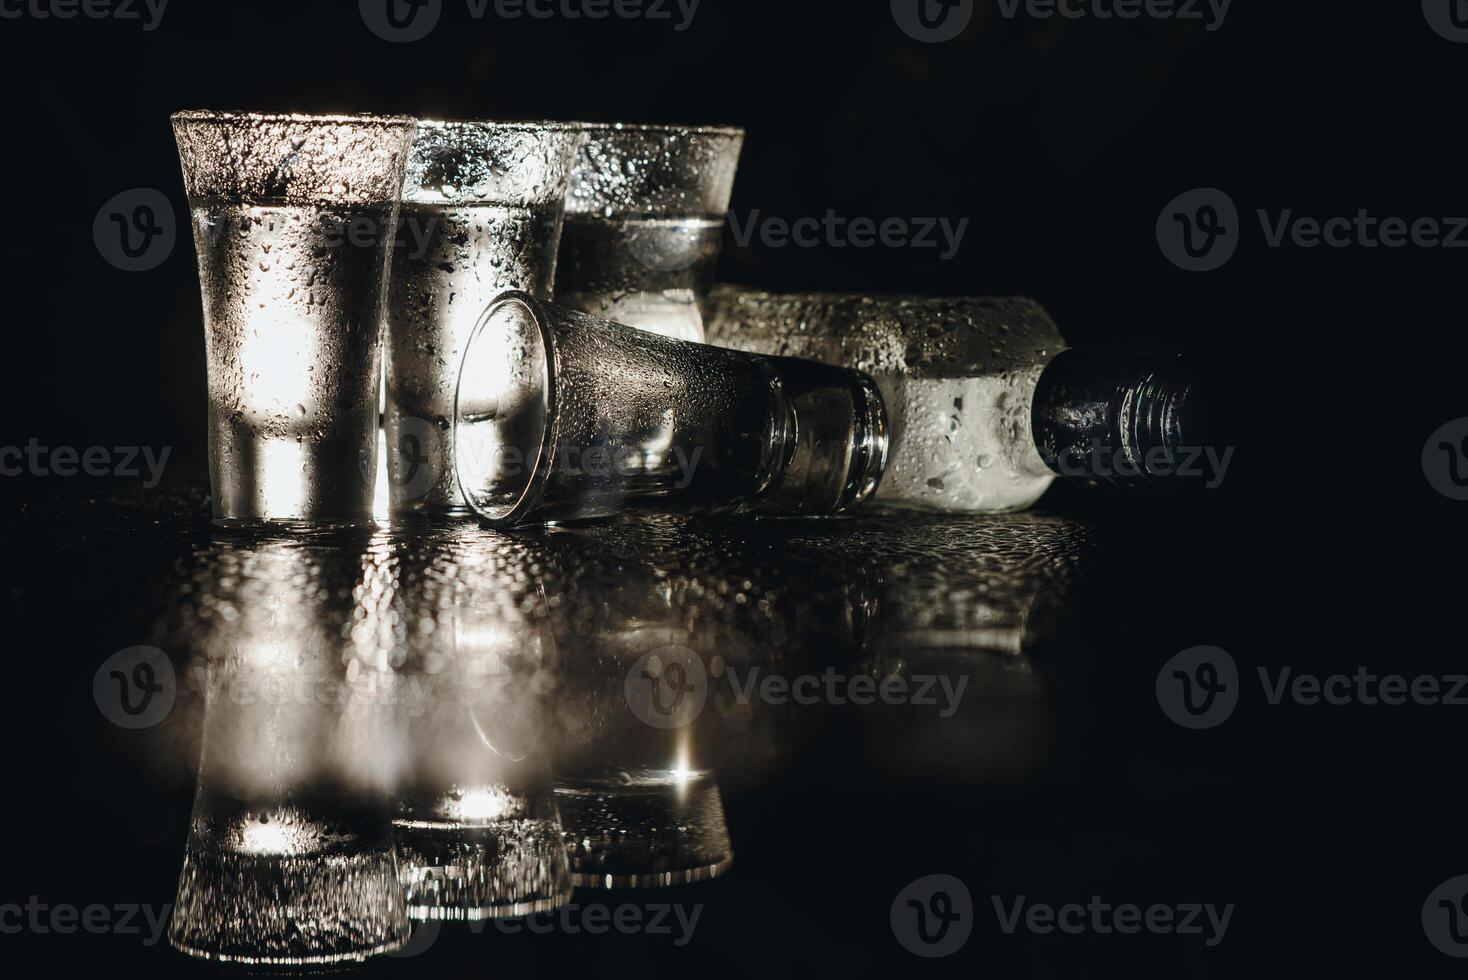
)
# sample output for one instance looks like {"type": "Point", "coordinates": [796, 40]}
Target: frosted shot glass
{"type": "Point", "coordinates": [293, 220]}
{"type": "Point", "coordinates": [563, 416]}
{"type": "Point", "coordinates": [644, 224]}
{"type": "Point", "coordinates": [481, 214]}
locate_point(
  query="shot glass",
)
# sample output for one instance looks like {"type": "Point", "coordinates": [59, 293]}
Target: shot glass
{"type": "Point", "coordinates": [293, 217]}
{"type": "Point", "coordinates": [563, 416]}
{"type": "Point", "coordinates": [644, 224]}
{"type": "Point", "coordinates": [482, 209]}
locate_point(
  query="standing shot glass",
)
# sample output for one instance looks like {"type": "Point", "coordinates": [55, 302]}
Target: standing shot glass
{"type": "Point", "coordinates": [644, 224]}
{"type": "Point", "coordinates": [293, 220]}
{"type": "Point", "coordinates": [562, 416]}
{"type": "Point", "coordinates": [482, 209]}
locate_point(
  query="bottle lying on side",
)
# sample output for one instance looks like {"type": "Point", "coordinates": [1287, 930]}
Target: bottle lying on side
{"type": "Point", "coordinates": [986, 404]}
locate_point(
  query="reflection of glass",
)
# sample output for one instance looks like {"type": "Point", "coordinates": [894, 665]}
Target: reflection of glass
{"type": "Point", "coordinates": [644, 222]}
{"type": "Point", "coordinates": [290, 858]}
{"type": "Point", "coordinates": [481, 214]}
{"type": "Point", "coordinates": [640, 808]}
{"type": "Point", "coordinates": [476, 822]}
{"type": "Point", "coordinates": [560, 416]}
{"type": "Point", "coordinates": [293, 216]}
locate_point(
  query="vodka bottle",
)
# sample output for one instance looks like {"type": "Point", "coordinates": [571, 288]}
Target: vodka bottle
{"type": "Point", "coordinates": [987, 405]}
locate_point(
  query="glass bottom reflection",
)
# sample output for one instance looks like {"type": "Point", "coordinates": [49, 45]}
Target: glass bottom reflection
{"type": "Point", "coordinates": [644, 828]}
{"type": "Point", "coordinates": [279, 887]}
{"type": "Point", "coordinates": [482, 853]}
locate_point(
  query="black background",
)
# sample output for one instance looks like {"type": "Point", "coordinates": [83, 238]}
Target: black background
{"type": "Point", "coordinates": [1061, 141]}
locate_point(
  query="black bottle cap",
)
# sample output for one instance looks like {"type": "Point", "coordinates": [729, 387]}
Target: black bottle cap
{"type": "Point", "coordinates": [1120, 419]}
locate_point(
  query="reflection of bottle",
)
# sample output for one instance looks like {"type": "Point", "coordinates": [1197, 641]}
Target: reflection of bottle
{"type": "Point", "coordinates": [986, 404]}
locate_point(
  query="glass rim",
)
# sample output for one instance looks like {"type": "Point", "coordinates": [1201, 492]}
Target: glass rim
{"type": "Point", "coordinates": [663, 129]}
{"type": "Point", "coordinates": [529, 497]}
{"type": "Point", "coordinates": [503, 124]}
{"type": "Point", "coordinates": [219, 116]}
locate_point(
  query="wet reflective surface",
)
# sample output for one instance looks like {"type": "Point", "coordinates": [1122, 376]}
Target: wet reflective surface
{"type": "Point", "coordinates": [422, 745]}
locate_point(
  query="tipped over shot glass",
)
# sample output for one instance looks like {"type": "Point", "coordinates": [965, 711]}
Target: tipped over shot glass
{"type": "Point", "coordinates": [644, 223]}
{"type": "Point", "coordinates": [481, 213]}
{"type": "Point", "coordinates": [562, 416]}
{"type": "Point", "coordinates": [293, 220]}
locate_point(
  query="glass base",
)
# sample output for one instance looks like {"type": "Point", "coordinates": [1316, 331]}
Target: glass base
{"type": "Point", "coordinates": [645, 828]}
{"type": "Point", "coordinates": [464, 873]}
{"type": "Point", "coordinates": [264, 963]}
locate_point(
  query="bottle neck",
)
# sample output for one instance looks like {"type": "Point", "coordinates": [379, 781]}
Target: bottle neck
{"type": "Point", "coordinates": [1118, 419]}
